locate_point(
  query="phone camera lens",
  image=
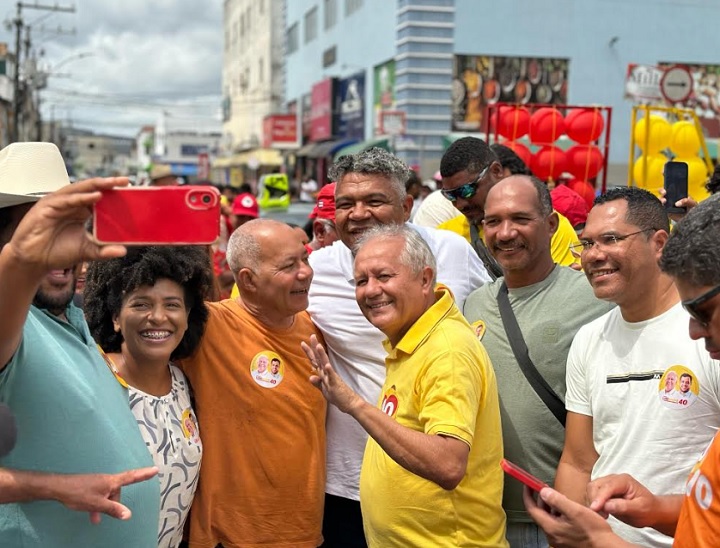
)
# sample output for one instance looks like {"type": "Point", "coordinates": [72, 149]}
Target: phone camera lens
{"type": "Point", "coordinates": [206, 199]}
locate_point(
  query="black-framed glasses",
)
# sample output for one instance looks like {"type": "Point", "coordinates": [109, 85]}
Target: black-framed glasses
{"type": "Point", "coordinates": [691, 305]}
{"type": "Point", "coordinates": [467, 190]}
{"type": "Point", "coordinates": [604, 241]}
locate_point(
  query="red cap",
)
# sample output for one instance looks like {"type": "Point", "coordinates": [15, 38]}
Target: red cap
{"type": "Point", "coordinates": [325, 207]}
{"type": "Point", "coordinates": [568, 202]}
{"type": "Point", "coordinates": [246, 204]}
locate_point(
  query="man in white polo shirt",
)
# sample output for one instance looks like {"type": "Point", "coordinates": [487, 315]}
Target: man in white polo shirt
{"type": "Point", "coordinates": [370, 192]}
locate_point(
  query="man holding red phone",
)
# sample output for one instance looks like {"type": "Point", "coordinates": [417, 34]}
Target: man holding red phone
{"type": "Point", "coordinates": [74, 417]}
{"type": "Point", "coordinates": [691, 257]}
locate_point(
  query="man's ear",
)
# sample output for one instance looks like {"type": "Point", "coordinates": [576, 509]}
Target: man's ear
{"type": "Point", "coordinates": [407, 205]}
{"type": "Point", "coordinates": [659, 239]}
{"type": "Point", "coordinates": [245, 280]}
{"type": "Point", "coordinates": [553, 223]}
{"type": "Point", "coordinates": [427, 279]}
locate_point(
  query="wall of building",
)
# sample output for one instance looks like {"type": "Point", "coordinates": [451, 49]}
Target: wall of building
{"type": "Point", "coordinates": [253, 76]}
{"type": "Point", "coordinates": [598, 37]}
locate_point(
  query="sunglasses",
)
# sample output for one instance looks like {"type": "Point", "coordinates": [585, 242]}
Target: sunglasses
{"type": "Point", "coordinates": [692, 306]}
{"type": "Point", "coordinates": [465, 191]}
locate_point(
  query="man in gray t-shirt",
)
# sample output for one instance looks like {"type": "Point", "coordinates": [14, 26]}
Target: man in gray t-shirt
{"type": "Point", "coordinates": [550, 303]}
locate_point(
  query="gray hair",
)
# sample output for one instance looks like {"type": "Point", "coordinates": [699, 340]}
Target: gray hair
{"type": "Point", "coordinates": [243, 248]}
{"type": "Point", "coordinates": [692, 252]}
{"type": "Point", "coordinates": [375, 161]}
{"type": "Point", "coordinates": [415, 254]}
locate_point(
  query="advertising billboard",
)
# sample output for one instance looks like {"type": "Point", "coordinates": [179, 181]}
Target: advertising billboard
{"type": "Point", "coordinates": [384, 91]}
{"type": "Point", "coordinates": [482, 80]}
{"type": "Point", "coordinates": [350, 107]}
{"type": "Point", "coordinates": [321, 114]}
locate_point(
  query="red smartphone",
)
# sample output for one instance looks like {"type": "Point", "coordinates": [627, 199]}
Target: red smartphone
{"type": "Point", "coordinates": [165, 215]}
{"type": "Point", "coordinates": [521, 475]}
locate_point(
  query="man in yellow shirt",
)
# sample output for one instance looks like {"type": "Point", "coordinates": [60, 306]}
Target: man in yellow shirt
{"type": "Point", "coordinates": [469, 169]}
{"type": "Point", "coordinates": [430, 475]}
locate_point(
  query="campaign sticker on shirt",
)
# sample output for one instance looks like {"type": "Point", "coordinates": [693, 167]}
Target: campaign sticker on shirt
{"type": "Point", "coordinates": [267, 369]}
{"type": "Point", "coordinates": [389, 404]}
{"type": "Point", "coordinates": [190, 427]}
{"type": "Point", "coordinates": [479, 328]}
{"type": "Point", "coordinates": [679, 387]}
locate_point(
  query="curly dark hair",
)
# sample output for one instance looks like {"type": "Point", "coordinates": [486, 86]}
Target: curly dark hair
{"type": "Point", "coordinates": [108, 282]}
{"type": "Point", "coordinates": [509, 159]}
{"type": "Point", "coordinates": [466, 154]}
{"type": "Point", "coordinates": [713, 184]}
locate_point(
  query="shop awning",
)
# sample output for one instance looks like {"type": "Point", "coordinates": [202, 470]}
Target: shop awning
{"type": "Point", "coordinates": [323, 149]}
{"type": "Point", "coordinates": [362, 146]}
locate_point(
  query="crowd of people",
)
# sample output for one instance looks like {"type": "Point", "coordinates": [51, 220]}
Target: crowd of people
{"type": "Point", "coordinates": [359, 385]}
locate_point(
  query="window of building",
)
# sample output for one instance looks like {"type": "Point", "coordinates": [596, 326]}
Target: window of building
{"type": "Point", "coordinates": [311, 25]}
{"type": "Point", "coordinates": [330, 13]}
{"type": "Point", "coordinates": [351, 6]}
{"type": "Point", "coordinates": [293, 41]}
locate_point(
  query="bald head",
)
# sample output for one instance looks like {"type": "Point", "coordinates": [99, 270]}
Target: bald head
{"type": "Point", "coordinates": [252, 241]}
{"type": "Point", "coordinates": [515, 184]}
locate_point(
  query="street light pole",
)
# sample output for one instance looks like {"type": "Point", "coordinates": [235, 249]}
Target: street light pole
{"type": "Point", "coordinates": [16, 77]}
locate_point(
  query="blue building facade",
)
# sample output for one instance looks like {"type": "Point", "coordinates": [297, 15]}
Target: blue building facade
{"type": "Point", "coordinates": [422, 57]}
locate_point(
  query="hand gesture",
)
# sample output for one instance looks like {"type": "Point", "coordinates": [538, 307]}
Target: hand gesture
{"type": "Point", "coordinates": [327, 380]}
{"type": "Point", "coordinates": [52, 234]}
{"type": "Point", "coordinates": [569, 524]}
{"type": "Point", "coordinates": [98, 493]}
{"type": "Point", "coordinates": [623, 497]}
{"type": "Point", "coordinates": [688, 203]}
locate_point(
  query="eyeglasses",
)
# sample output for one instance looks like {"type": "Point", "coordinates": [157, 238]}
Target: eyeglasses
{"type": "Point", "coordinates": [692, 306]}
{"type": "Point", "coordinates": [604, 241]}
{"type": "Point", "coordinates": [465, 191]}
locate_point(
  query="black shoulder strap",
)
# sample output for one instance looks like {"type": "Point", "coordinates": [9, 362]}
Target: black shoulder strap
{"type": "Point", "coordinates": [491, 265]}
{"type": "Point", "coordinates": [519, 348]}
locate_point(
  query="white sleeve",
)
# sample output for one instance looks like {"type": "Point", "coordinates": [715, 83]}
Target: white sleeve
{"type": "Point", "coordinates": [577, 395]}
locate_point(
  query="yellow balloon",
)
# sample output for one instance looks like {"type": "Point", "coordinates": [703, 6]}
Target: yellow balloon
{"type": "Point", "coordinates": [685, 140]}
{"type": "Point", "coordinates": [697, 177]}
{"type": "Point", "coordinates": [658, 136]}
{"type": "Point", "coordinates": [652, 179]}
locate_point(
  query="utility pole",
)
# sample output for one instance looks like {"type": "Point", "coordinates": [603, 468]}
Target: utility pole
{"type": "Point", "coordinates": [17, 94]}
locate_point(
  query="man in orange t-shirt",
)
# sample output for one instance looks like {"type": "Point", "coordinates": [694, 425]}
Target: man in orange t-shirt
{"type": "Point", "coordinates": [262, 480]}
{"type": "Point", "coordinates": [692, 257]}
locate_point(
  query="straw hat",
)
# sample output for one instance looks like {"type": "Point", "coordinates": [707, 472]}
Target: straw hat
{"type": "Point", "coordinates": [29, 171]}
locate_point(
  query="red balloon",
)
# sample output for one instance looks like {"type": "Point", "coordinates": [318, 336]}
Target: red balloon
{"type": "Point", "coordinates": [514, 122]}
{"type": "Point", "coordinates": [584, 124]}
{"type": "Point", "coordinates": [584, 161]}
{"type": "Point", "coordinates": [521, 150]}
{"type": "Point", "coordinates": [548, 163]}
{"type": "Point", "coordinates": [585, 189]}
{"type": "Point", "coordinates": [546, 126]}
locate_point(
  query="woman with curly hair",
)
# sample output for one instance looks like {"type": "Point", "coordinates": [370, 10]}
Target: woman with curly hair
{"type": "Point", "coordinates": [145, 310]}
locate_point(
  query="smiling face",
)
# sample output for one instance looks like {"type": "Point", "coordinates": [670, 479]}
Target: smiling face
{"type": "Point", "coordinates": [282, 277]}
{"type": "Point", "coordinates": [57, 289]}
{"type": "Point", "coordinates": [153, 321]}
{"type": "Point", "coordinates": [670, 380]}
{"type": "Point", "coordinates": [685, 383]}
{"type": "Point", "coordinates": [620, 272]}
{"type": "Point", "coordinates": [516, 231]}
{"type": "Point", "coordinates": [389, 294]}
{"type": "Point", "coordinates": [363, 201]}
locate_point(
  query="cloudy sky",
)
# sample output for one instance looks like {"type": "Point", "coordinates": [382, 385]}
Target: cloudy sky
{"type": "Point", "coordinates": [128, 62]}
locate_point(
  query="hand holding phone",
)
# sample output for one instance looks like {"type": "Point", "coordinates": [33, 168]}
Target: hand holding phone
{"type": "Point", "coordinates": [521, 475]}
{"type": "Point", "coordinates": [676, 185]}
{"type": "Point", "coordinates": [166, 215]}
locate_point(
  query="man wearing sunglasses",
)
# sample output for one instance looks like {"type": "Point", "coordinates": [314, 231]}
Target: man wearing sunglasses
{"type": "Point", "coordinates": [692, 258]}
{"type": "Point", "coordinates": [618, 420]}
{"type": "Point", "coordinates": [469, 169]}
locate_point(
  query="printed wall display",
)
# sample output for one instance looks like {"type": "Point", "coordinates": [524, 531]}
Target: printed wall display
{"type": "Point", "coordinates": [350, 106]}
{"type": "Point", "coordinates": [384, 91]}
{"type": "Point", "coordinates": [481, 80]}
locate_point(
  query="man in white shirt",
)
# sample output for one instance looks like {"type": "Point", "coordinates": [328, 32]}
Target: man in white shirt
{"type": "Point", "coordinates": [370, 192]}
{"type": "Point", "coordinates": [621, 364]}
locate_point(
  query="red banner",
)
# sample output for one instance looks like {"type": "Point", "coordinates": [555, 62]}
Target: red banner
{"type": "Point", "coordinates": [280, 131]}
